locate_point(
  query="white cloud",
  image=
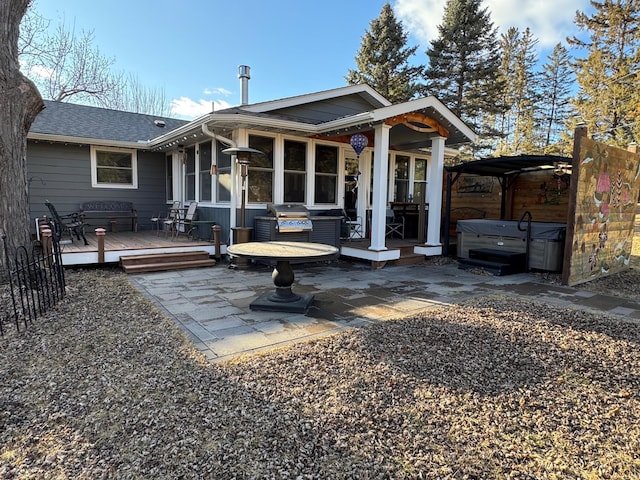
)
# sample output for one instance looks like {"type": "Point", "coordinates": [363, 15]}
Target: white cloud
{"type": "Point", "coordinates": [38, 71]}
{"type": "Point", "coordinates": [187, 108]}
{"type": "Point", "coordinates": [217, 91]}
{"type": "Point", "coordinates": [550, 21]}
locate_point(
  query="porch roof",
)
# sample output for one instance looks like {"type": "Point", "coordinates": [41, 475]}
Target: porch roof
{"type": "Point", "coordinates": [331, 115]}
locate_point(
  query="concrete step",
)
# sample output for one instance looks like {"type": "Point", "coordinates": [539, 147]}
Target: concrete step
{"type": "Point", "coordinates": [165, 261]}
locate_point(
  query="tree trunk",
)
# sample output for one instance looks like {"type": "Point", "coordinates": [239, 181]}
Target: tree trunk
{"type": "Point", "coordinates": [20, 103]}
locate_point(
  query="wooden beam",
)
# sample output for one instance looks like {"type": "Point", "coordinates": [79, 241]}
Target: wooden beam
{"type": "Point", "coordinates": [410, 120]}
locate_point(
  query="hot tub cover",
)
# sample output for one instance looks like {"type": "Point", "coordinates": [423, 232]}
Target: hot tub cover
{"type": "Point", "coordinates": [509, 228]}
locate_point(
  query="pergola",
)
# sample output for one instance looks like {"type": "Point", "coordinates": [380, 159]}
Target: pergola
{"type": "Point", "coordinates": [506, 169]}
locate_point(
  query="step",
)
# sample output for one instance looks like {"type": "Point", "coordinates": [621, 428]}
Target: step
{"type": "Point", "coordinates": [517, 260]}
{"type": "Point", "coordinates": [161, 266]}
{"type": "Point", "coordinates": [163, 257]}
{"type": "Point", "coordinates": [409, 259]}
{"type": "Point", "coordinates": [497, 268]}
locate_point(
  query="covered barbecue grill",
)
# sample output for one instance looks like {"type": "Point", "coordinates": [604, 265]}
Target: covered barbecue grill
{"type": "Point", "coordinates": [293, 223]}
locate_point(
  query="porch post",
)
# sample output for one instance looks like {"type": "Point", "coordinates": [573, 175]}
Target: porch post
{"type": "Point", "coordinates": [434, 192]}
{"type": "Point", "coordinates": [380, 174]}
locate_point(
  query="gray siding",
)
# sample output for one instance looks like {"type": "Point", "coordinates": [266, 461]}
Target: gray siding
{"type": "Point", "coordinates": [327, 110]}
{"type": "Point", "coordinates": [62, 174]}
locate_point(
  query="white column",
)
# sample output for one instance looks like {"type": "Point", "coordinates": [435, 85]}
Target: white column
{"type": "Point", "coordinates": [380, 174]}
{"type": "Point", "coordinates": [434, 192]}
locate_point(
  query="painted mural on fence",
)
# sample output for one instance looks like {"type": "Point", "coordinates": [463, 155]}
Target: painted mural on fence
{"type": "Point", "coordinates": [608, 186]}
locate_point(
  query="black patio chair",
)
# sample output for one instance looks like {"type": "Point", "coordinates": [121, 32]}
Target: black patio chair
{"type": "Point", "coordinates": [70, 224]}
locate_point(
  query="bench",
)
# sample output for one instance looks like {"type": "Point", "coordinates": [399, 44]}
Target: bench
{"type": "Point", "coordinates": [108, 211]}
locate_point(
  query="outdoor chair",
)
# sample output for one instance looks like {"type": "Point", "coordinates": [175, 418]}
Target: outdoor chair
{"type": "Point", "coordinates": [184, 224]}
{"type": "Point", "coordinates": [394, 226]}
{"type": "Point", "coordinates": [70, 224]}
{"type": "Point", "coordinates": [354, 226]}
{"type": "Point", "coordinates": [169, 222]}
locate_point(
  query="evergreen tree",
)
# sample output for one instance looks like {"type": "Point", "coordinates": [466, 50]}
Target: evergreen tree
{"type": "Point", "coordinates": [525, 83]}
{"type": "Point", "coordinates": [383, 60]}
{"type": "Point", "coordinates": [556, 84]}
{"type": "Point", "coordinates": [607, 100]}
{"type": "Point", "coordinates": [463, 67]}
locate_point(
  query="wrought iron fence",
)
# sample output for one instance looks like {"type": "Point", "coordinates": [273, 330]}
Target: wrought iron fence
{"type": "Point", "coordinates": [33, 280]}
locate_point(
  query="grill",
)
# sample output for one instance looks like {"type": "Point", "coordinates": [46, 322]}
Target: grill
{"type": "Point", "coordinates": [291, 218]}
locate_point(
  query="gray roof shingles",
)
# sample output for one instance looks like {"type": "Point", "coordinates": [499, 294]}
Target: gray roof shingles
{"type": "Point", "coordinates": [73, 120]}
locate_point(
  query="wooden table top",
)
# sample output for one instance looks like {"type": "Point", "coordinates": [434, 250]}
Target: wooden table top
{"type": "Point", "coordinates": [292, 251]}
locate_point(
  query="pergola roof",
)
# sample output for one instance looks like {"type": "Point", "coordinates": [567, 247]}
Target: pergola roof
{"type": "Point", "coordinates": [508, 165]}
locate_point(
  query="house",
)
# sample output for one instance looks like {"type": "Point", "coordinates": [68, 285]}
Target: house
{"type": "Point", "coordinates": [78, 153]}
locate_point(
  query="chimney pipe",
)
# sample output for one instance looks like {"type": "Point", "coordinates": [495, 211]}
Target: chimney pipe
{"type": "Point", "coordinates": [244, 76]}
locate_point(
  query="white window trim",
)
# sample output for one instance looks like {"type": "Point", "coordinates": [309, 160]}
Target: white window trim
{"type": "Point", "coordinates": [94, 168]}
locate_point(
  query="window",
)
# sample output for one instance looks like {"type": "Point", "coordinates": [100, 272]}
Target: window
{"type": "Point", "coordinates": [326, 178]}
{"type": "Point", "coordinates": [260, 176]}
{"type": "Point", "coordinates": [114, 168]}
{"type": "Point", "coordinates": [420, 180]}
{"type": "Point", "coordinates": [189, 159]}
{"type": "Point", "coordinates": [205, 171]}
{"type": "Point", "coordinates": [401, 187]}
{"type": "Point", "coordinates": [223, 178]}
{"type": "Point", "coordinates": [169, 185]}
{"type": "Point", "coordinates": [295, 161]}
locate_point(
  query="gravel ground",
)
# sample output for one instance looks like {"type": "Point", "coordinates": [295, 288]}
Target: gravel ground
{"type": "Point", "coordinates": [105, 386]}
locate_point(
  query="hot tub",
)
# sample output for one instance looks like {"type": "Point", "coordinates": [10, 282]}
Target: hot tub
{"type": "Point", "coordinates": [546, 248]}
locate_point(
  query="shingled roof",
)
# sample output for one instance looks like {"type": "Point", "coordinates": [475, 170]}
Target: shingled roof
{"type": "Point", "coordinates": [71, 120]}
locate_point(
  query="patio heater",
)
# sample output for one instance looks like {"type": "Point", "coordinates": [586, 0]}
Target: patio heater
{"type": "Point", "coordinates": [243, 157]}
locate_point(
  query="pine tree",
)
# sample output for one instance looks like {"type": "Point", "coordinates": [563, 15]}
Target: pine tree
{"type": "Point", "coordinates": [607, 100]}
{"type": "Point", "coordinates": [463, 67]}
{"type": "Point", "coordinates": [383, 60]}
{"type": "Point", "coordinates": [556, 84]}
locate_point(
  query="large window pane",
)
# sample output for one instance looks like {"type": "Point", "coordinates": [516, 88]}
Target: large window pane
{"type": "Point", "coordinates": [114, 167]}
{"type": "Point", "coordinates": [326, 187]}
{"type": "Point", "coordinates": [169, 186]}
{"type": "Point", "coordinates": [260, 175]}
{"type": "Point", "coordinates": [260, 183]}
{"type": "Point", "coordinates": [420, 183]}
{"type": "Point", "coordinates": [223, 178]}
{"type": "Point", "coordinates": [190, 175]}
{"type": "Point", "coordinates": [401, 193]}
{"type": "Point", "coordinates": [205, 172]}
{"type": "Point", "coordinates": [295, 161]}
{"type": "Point", "coordinates": [326, 174]}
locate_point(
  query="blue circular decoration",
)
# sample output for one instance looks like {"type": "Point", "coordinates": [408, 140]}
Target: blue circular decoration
{"type": "Point", "coordinates": [359, 142]}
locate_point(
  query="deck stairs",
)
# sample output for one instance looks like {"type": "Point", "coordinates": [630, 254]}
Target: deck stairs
{"type": "Point", "coordinates": [165, 261]}
{"type": "Point", "coordinates": [407, 257]}
{"type": "Point", "coordinates": [496, 261]}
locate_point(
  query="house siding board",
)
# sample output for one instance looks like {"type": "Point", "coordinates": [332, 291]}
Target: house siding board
{"type": "Point", "coordinates": [320, 112]}
{"type": "Point", "coordinates": [62, 174]}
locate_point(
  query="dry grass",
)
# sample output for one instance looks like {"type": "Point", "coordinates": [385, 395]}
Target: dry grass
{"type": "Point", "coordinates": [107, 387]}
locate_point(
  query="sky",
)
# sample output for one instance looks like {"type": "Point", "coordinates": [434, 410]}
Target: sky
{"type": "Point", "coordinates": [191, 49]}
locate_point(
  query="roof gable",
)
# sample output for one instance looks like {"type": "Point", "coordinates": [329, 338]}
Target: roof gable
{"type": "Point", "coordinates": [361, 94]}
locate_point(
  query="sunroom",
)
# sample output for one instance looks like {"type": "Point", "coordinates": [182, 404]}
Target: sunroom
{"type": "Point", "coordinates": [346, 150]}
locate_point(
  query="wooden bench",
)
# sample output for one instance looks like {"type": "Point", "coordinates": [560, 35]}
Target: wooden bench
{"type": "Point", "coordinates": [109, 211]}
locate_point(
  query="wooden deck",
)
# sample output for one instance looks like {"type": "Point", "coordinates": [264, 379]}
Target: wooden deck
{"type": "Point", "coordinates": [120, 244]}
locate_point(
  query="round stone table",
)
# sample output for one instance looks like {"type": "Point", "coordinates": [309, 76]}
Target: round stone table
{"type": "Point", "coordinates": [283, 254]}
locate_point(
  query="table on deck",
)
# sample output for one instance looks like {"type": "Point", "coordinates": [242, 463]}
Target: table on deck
{"type": "Point", "coordinates": [284, 254]}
